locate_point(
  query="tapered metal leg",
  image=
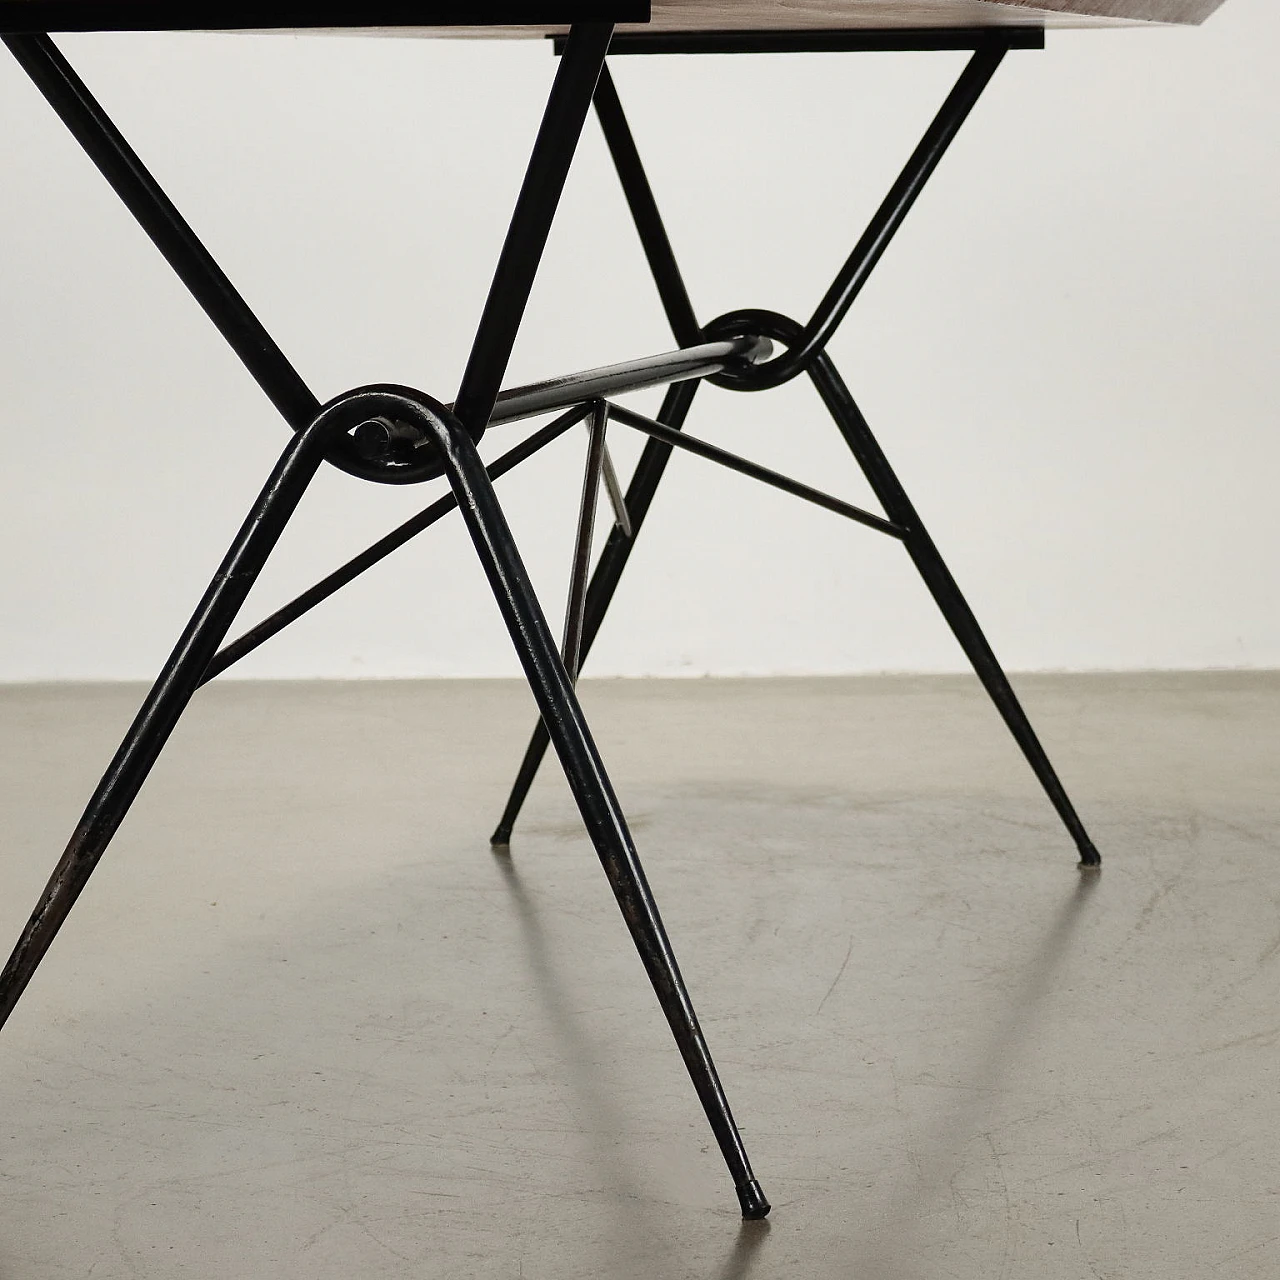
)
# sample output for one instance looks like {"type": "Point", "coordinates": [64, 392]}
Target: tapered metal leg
{"type": "Point", "coordinates": [536, 205]}
{"type": "Point", "coordinates": [644, 212]}
{"type": "Point", "coordinates": [674, 410]}
{"type": "Point", "coordinates": [172, 235]}
{"type": "Point", "coordinates": [601, 813]}
{"type": "Point", "coordinates": [604, 582]}
{"type": "Point", "coordinates": [164, 705]}
{"type": "Point", "coordinates": [942, 586]}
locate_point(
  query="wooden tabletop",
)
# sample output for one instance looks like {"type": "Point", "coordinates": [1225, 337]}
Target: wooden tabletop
{"type": "Point", "coordinates": [667, 15]}
{"type": "Point", "coordinates": [682, 15]}
{"type": "Point", "coordinates": [836, 15]}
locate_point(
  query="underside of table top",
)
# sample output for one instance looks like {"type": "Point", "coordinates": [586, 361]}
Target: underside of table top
{"type": "Point", "coordinates": [422, 19]}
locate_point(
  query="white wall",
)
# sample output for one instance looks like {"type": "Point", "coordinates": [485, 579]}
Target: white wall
{"type": "Point", "coordinates": [1070, 351]}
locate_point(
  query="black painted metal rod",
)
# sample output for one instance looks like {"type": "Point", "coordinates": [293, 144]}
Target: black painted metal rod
{"type": "Point", "coordinates": [601, 813]}
{"type": "Point", "coordinates": [617, 499]}
{"type": "Point", "coordinates": [571, 649]}
{"type": "Point", "coordinates": [653, 460]}
{"type": "Point", "coordinates": [164, 705]}
{"type": "Point", "coordinates": [168, 230]}
{"type": "Point", "coordinates": [304, 603]}
{"type": "Point", "coordinates": [644, 211]}
{"type": "Point", "coordinates": [536, 205]}
{"type": "Point", "coordinates": [898, 203]}
{"type": "Point", "coordinates": [743, 466]}
{"type": "Point", "coordinates": [604, 583]}
{"type": "Point", "coordinates": [268, 15]}
{"type": "Point", "coordinates": [675, 407]}
{"type": "Point", "coordinates": [702, 360]}
{"type": "Point", "coordinates": [946, 593]}
{"type": "Point", "coordinates": [888, 218]}
{"type": "Point", "coordinates": [893, 40]}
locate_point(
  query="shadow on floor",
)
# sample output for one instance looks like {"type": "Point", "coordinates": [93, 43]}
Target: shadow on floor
{"type": "Point", "coordinates": [630, 1224]}
{"type": "Point", "coordinates": [941, 1150]}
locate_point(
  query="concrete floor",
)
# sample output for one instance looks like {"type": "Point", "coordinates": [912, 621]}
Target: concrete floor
{"type": "Point", "coordinates": [305, 1024]}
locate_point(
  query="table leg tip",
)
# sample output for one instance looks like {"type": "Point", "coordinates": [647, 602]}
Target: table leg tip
{"type": "Point", "coordinates": [752, 1199]}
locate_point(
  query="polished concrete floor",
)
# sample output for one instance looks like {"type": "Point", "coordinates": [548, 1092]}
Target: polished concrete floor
{"type": "Point", "coordinates": [304, 1024]}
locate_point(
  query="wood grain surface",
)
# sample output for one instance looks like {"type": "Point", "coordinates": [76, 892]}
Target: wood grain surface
{"type": "Point", "coordinates": [725, 15]}
{"type": "Point", "coordinates": [667, 15]}
{"type": "Point", "coordinates": [831, 15]}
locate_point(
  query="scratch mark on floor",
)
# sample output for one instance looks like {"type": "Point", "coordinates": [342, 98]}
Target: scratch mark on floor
{"type": "Point", "coordinates": [1240, 1253]}
{"type": "Point", "coordinates": [1084, 1253]}
{"type": "Point", "coordinates": [836, 980]}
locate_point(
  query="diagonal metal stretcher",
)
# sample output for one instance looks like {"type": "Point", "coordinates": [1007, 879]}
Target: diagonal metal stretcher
{"type": "Point", "coordinates": [391, 434]}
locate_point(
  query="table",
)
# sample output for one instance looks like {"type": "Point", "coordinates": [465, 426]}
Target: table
{"type": "Point", "coordinates": [393, 434]}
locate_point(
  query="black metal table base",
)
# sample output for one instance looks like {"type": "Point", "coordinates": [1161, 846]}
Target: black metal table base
{"type": "Point", "coordinates": [395, 435]}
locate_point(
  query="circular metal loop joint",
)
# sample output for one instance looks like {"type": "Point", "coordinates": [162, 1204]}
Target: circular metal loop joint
{"type": "Point", "coordinates": [386, 433]}
{"type": "Point", "coordinates": [756, 323]}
